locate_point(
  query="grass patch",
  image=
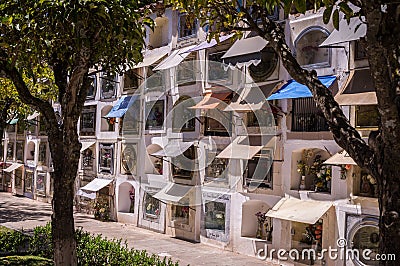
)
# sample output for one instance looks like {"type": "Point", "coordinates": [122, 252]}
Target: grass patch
{"type": "Point", "coordinates": [25, 261]}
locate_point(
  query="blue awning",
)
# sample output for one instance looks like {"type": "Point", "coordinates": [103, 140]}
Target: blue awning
{"type": "Point", "coordinates": [293, 89]}
{"type": "Point", "coordinates": [12, 121]}
{"type": "Point", "coordinates": [122, 106]}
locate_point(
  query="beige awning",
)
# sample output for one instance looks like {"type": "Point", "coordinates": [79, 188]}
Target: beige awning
{"type": "Point", "coordinates": [86, 144]}
{"type": "Point", "coordinates": [174, 148]}
{"type": "Point", "coordinates": [352, 31]}
{"type": "Point", "coordinates": [96, 184]}
{"type": "Point", "coordinates": [340, 158]}
{"type": "Point", "coordinates": [358, 89]}
{"type": "Point", "coordinates": [240, 148]}
{"type": "Point", "coordinates": [302, 211]}
{"type": "Point", "coordinates": [174, 59]}
{"type": "Point", "coordinates": [173, 193]}
{"type": "Point", "coordinates": [211, 100]}
{"type": "Point", "coordinates": [12, 167]}
{"type": "Point", "coordinates": [250, 99]}
{"type": "Point", "coordinates": [152, 56]}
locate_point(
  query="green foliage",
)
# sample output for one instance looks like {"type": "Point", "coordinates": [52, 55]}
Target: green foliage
{"type": "Point", "coordinates": [25, 261]}
{"type": "Point", "coordinates": [36, 33]}
{"type": "Point", "coordinates": [13, 242]}
{"type": "Point", "coordinates": [91, 250]}
{"type": "Point", "coordinates": [41, 243]}
{"type": "Point", "coordinates": [96, 250]}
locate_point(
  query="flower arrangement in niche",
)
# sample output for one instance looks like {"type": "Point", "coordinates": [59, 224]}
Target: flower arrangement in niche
{"type": "Point", "coordinates": [111, 120]}
{"type": "Point", "coordinates": [322, 175]}
{"type": "Point", "coordinates": [368, 185]}
{"type": "Point", "coordinates": [264, 222]}
{"type": "Point", "coordinates": [261, 217]}
{"type": "Point", "coordinates": [101, 211]}
{"type": "Point", "coordinates": [301, 167]}
{"type": "Point", "coordinates": [132, 199]}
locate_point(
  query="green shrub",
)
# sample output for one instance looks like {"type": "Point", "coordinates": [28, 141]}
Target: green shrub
{"type": "Point", "coordinates": [25, 261]}
{"type": "Point", "coordinates": [13, 242]}
{"type": "Point", "coordinates": [91, 250]}
{"type": "Point", "coordinates": [96, 250]}
{"type": "Point", "coordinates": [41, 242]}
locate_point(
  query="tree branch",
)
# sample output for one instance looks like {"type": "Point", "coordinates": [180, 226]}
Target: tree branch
{"type": "Point", "coordinates": [23, 91]}
{"type": "Point", "coordinates": [345, 135]}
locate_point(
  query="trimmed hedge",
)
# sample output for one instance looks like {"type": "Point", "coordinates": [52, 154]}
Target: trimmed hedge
{"type": "Point", "coordinates": [25, 261]}
{"type": "Point", "coordinates": [91, 250]}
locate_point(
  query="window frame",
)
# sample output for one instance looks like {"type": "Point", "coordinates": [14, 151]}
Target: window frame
{"type": "Point", "coordinates": [103, 147]}
{"type": "Point", "coordinates": [211, 222]}
{"type": "Point", "coordinates": [10, 157]}
{"type": "Point", "coordinates": [183, 102]}
{"type": "Point", "coordinates": [136, 78]}
{"type": "Point", "coordinates": [125, 168]}
{"type": "Point", "coordinates": [302, 35]}
{"type": "Point", "coordinates": [93, 85]}
{"type": "Point", "coordinates": [307, 121]}
{"type": "Point", "coordinates": [105, 79]}
{"type": "Point", "coordinates": [228, 74]}
{"type": "Point", "coordinates": [188, 156]}
{"type": "Point", "coordinates": [214, 164]}
{"type": "Point", "coordinates": [185, 68]}
{"type": "Point", "coordinates": [44, 175]}
{"type": "Point", "coordinates": [88, 110]}
{"type": "Point", "coordinates": [369, 109]}
{"type": "Point", "coordinates": [264, 184]}
{"type": "Point", "coordinates": [28, 172]}
{"type": "Point", "coordinates": [20, 149]}
{"type": "Point", "coordinates": [88, 159]}
{"type": "Point", "coordinates": [154, 104]}
{"type": "Point", "coordinates": [44, 162]}
{"type": "Point", "coordinates": [156, 202]}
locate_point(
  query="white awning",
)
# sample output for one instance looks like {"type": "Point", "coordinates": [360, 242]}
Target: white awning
{"type": "Point", "coordinates": [153, 183]}
{"type": "Point", "coordinates": [210, 44]}
{"type": "Point", "coordinates": [355, 30]}
{"type": "Point", "coordinates": [96, 184]}
{"type": "Point", "coordinates": [240, 148]}
{"type": "Point", "coordinates": [250, 99]}
{"type": "Point", "coordinates": [302, 211]}
{"type": "Point", "coordinates": [91, 195]}
{"type": "Point", "coordinates": [245, 51]}
{"type": "Point", "coordinates": [340, 158]}
{"type": "Point", "coordinates": [33, 116]}
{"type": "Point", "coordinates": [173, 193]}
{"type": "Point", "coordinates": [12, 167]}
{"type": "Point", "coordinates": [86, 144]}
{"type": "Point", "coordinates": [174, 59]}
{"type": "Point", "coordinates": [173, 148]}
{"type": "Point", "coordinates": [152, 56]}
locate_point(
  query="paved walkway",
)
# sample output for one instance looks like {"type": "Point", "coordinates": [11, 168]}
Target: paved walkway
{"type": "Point", "coordinates": [19, 212]}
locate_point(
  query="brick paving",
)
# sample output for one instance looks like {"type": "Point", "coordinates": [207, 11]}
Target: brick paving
{"type": "Point", "coordinates": [20, 212]}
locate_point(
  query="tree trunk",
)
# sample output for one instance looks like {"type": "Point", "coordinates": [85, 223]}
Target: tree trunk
{"type": "Point", "coordinates": [65, 147]}
{"type": "Point", "coordinates": [389, 202]}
